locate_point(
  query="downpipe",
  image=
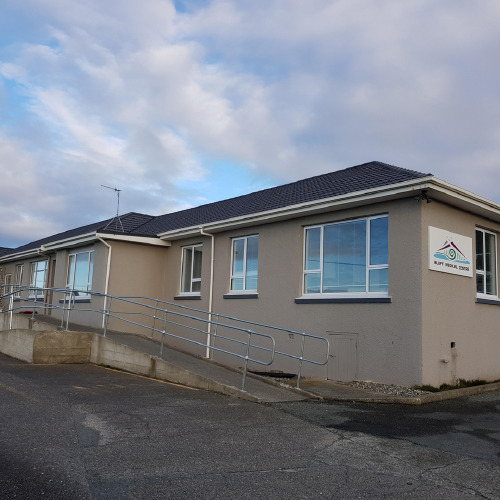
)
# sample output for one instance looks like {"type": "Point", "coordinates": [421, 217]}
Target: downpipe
{"type": "Point", "coordinates": [211, 293]}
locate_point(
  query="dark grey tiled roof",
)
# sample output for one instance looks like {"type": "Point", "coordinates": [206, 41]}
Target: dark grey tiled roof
{"type": "Point", "coordinates": [359, 178]}
{"type": "Point", "coordinates": [130, 222]}
{"type": "Point", "coordinates": [4, 250]}
{"type": "Point", "coordinates": [362, 177]}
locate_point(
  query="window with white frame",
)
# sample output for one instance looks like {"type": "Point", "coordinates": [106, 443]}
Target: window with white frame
{"type": "Point", "coordinates": [7, 282]}
{"type": "Point", "coordinates": [244, 263]}
{"type": "Point", "coordinates": [486, 263]}
{"type": "Point", "coordinates": [19, 278]}
{"type": "Point", "coordinates": [80, 270]}
{"type": "Point", "coordinates": [38, 277]}
{"type": "Point", "coordinates": [350, 258]}
{"type": "Point", "coordinates": [191, 269]}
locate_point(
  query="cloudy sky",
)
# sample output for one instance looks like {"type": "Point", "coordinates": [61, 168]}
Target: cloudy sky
{"type": "Point", "coordinates": [180, 103]}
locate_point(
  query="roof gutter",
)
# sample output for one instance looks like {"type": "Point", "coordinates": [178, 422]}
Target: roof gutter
{"type": "Point", "coordinates": [82, 240]}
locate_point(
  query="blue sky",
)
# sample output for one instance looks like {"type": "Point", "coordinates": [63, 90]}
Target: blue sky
{"type": "Point", "coordinates": [187, 102]}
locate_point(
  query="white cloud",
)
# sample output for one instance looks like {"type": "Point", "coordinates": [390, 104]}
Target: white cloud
{"type": "Point", "coordinates": [138, 95]}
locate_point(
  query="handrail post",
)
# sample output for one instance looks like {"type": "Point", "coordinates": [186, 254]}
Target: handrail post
{"type": "Point", "coordinates": [154, 320]}
{"type": "Point", "coordinates": [70, 303]}
{"type": "Point", "coordinates": [11, 308]}
{"type": "Point", "coordinates": [300, 359]}
{"type": "Point", "coordinates": [34, 306]}
{"type": "Point", "coordinates": [63, 315]}
{"type": "Point", "coordinates": [246, 361]}
{"type": "Point", "coordinates": [214, 335]}
{"type": "Point", "coordinates": [163, 333]}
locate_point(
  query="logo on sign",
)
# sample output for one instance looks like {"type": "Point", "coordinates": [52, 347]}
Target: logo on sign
{"type": "Point", "coordinates": [450, 252]}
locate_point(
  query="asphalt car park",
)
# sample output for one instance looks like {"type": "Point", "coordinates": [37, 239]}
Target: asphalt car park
{"type": "Point", "coordinates": [83, 431]}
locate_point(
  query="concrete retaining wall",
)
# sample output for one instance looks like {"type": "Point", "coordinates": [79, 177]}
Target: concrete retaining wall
{"type": "Point", "coordinates": [17, 344]}
{"type": "Point", "coordinates": [46, 347]}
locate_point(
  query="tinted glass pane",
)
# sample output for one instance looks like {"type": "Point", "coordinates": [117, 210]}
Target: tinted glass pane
{"type": "Point", "coordinates": [196, 286]}
{"type": "Point", "coordinates": [91, 271]}
{"type": "Point", "coordinates": [312, 283]}
{"type": "Point", "coordinates": [81, 272]}
{"type": "Point", "coordinates": [379, 280]}
{"type": "Point", "coordinates": [252, 262]}
{"type": "Point", "coordinates": [39, 273]}
{"type": "Point", "coordinates": [331, 259]}
{"type": "Point", "coordinates": [238, 255]}
{"type": "Point", "coordinates": [379, 241]}
{"type": "Point", "coordinates": [237, 284]}
{"type": "Point", "coordinates": [197, 263]}
{"type": "Point", "coordinates": [187, 259]}
{"type": "Point", "coordinates": [480, 283]}
{"type": "Point", "coordinates": [251, 283]}
{"type": "Point", "coordinates": [313, 238]}
{"type": "Point", "coordinates": [479, 251]}
{"type": "Point", "coordinates": [344, 257]}
{"type": "Point", "coordinates": [491, 268]}
{"type": "Point", "coordinates": [71, 270]}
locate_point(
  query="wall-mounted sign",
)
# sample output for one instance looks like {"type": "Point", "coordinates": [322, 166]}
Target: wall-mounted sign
{"type": "Point", "coordinates": [450, 252]}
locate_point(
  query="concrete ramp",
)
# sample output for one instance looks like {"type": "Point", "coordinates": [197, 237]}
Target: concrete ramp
{"type": "Point", "coordinates": [136, 354]}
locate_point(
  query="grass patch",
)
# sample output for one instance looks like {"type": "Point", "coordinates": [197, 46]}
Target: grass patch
{"type": "Point", "coordinates": [447, 387]}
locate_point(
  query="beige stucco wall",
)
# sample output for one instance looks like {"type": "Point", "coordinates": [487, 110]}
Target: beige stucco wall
{"type": "Point", "coordinates": [136, 271]}
{"type": "Point", "coordinates": [388, 335]}
{"type": "Point", "coordinates": [450, 311]}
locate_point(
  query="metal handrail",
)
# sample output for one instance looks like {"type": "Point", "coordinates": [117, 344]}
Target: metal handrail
{"type": "Point", "coordinates": [158, 311]}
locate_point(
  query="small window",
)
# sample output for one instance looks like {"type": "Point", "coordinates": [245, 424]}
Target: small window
{"type": "Point", "coordinates": [38, 278]}
{"type": "Point", "coordinates": [8, 283]}
{"type": "Point", "coordinates": [486, 263]}
{"type": "Point", "coordinates": [244, 263]}
{"type": "Point", "coordinates": [80, 270]}
{"type": "Point", "coordinates": [191, 269]}
{"type": "Point", "coordinates": [349, 257]}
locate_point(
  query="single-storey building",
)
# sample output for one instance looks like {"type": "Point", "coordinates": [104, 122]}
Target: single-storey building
{"type": "Point", "coordinates": [396, 268]}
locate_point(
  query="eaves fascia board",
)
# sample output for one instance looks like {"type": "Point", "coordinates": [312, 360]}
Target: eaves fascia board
{"type": "Point", "coordinates": [69, 242]}
{"type": "Point", "coordinates": [462, 198]}
{"type": "Point", "coordinates": [358, 197]}
{"type": "Point", "coordinates": [34, 252]}
{"type": "Point", "coordinates": [144, 240]}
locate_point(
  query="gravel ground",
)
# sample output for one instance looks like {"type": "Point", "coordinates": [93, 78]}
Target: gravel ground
{"type": "Point", "coordinates": [394, 390]}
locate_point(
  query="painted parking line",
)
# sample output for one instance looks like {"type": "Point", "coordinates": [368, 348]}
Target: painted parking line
{"type": "Point", "coordinates": [149, 378]}
{"type": "Point", "coordinates": [18, 393]}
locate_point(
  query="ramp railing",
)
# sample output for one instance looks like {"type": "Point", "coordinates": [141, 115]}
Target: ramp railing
{"type": "Point", "coordinates": [248, 341]}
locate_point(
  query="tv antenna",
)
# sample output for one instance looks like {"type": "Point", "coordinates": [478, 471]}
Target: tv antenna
{"type": "Point", "coordinates": [116, 219]}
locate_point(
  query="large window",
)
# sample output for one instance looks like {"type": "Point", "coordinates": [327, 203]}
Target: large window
{"type": "Point", "coordinates": [245, 263]}
{"type": "Point", "coordinates": [486, 263]}
{"type": "Point", "coordinates": [349, 257]}
{"type": "Point", "coordinates": [191, 269]}
{"type": "Point", "coordinates": [80, 270]}
{"type": "Point", "coordinates": [38, 277]}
